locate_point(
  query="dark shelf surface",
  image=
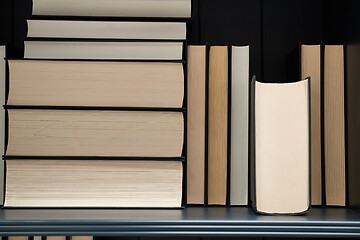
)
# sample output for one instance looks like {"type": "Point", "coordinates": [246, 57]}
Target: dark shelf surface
{"type": "Point", "coordinates": [192, 221]}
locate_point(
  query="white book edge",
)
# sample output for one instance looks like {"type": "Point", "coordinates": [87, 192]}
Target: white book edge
{"type": "Point", "coordinates": [2, 121]}
{"type": "Point", "coordinates": [106, 29]}
{"type": "Point", "coordinates": [239, 125]}
{"type": "Point", "coordinates": [104, 50]}
{"type": "Point", "coordinates": [114, 8]}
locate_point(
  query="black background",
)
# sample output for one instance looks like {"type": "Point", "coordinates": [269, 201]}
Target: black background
{"type": "Point", "coordinates": [274, 29]}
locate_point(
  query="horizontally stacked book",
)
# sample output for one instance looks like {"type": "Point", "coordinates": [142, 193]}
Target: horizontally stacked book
{"type": "Point", "coordinates": [95, 109]}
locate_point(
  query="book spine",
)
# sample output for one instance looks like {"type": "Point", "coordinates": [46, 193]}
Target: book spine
{"type": "Point", "coordinates": [218, 129]}
{"type": "Point", "coordinates": [196, 122]}
{"type": "Point", "coordinates": [2, 121]}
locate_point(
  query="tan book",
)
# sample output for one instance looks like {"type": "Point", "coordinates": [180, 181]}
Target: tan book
{"type": "Point", "coordinates": [55, 238]}
{"type": "Point", "coordinates": [217, 125]}
{"type": "Point", "coordinates": [311, 67]}
{"type": "Point", "coordinates": [93, 183]}
{"type": "Point", "coordinates": [196, 124]}
{"type": "Point", "coordinates": [18, 238]}
{"type": "Point", "coordinates": [95, 133]}
{"type": "Point", "coordinates": [334, 125]}
{"type": "Point", "coordinates": [82, 238]}
{"type": "Point", "coordinates": [280, 143]}
{"type": "Point", "coordinates": [96, 83]}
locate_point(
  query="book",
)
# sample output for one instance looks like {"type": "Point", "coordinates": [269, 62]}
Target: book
{"type": "Point", "coordinates": [106, 29]}
{"type": "Point", "coordinates": [18, 238]}
{"type": "Point", "coordinates": [93, 183]}
{"type": "Point", "coordinates": [55, 238]}
{"type": "Point", "coordinates": [82, 237]}
{"type": "Point", "coordinates": [311, 67]}
{"type": "Point", "coordinates": [114, 8]}
{"type": "Point", "coordinates": [103, 50]}
{"type": "Point", "coordinates": [94, 133]}
{"type": "Point", "coordinates": [280, 148]}
{"type": "Point", "coordinates": [196, 67]}
{"type": "Point", "coordinates": [217, 125]}
{"type": "Point", "coordinates": [239, 156]}
{"type": "Point", "coordinates": [96, 83]}
{"type": "Point", "coordinates": [2, 118]}
{"type": "Point", "coordinates": [334, 125]}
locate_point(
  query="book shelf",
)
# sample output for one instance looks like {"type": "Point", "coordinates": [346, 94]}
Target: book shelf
{"type": "Point", "coordinates": [274, 29]}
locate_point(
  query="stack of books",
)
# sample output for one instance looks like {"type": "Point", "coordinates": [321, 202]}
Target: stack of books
{"type": "Point", "coordinates": [96, 107]}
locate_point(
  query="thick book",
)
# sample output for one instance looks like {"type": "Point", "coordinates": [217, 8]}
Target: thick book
{"type": "Point", "coordinates": [2, 118]}
{"type": "Point", "coordinates": [217, 125]}
{"type": "Point", "coordinates": [93, 183]}
{"type": "Point", "coordinates": [106, 29]}
{"type": "Point", "coordinates": [334, 125]}
{"type": "Point", "coordinates": [280, 147]}
{"type": "Point", "coordinates": [311, 67]}
{"type": "Point", "coordinates": [239, 155]}
{"type": "Point", "coordinates": [196, 104]}
{"type": "Point", "coordinates": [96, 83]}
{"type": "Point", "coordinates": [114, 8]}
{"type": "Point", "coordinates": [94, 133]}
{"type": "Point", "coordinates": [103, 50]}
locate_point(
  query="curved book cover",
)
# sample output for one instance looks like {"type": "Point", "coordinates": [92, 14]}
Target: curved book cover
{"type": "Point", "coordinates": [280, 147]}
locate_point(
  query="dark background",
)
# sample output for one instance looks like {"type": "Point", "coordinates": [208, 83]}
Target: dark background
{"type": "Point", "coordinates": [274, 29]}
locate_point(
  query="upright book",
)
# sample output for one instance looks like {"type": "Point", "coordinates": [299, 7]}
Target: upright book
{"type": "Point", "coordinates": [311, 67]}
{"type": "Point", "coordinates": [106, 29]}
{"type": "Point", "coordinates": [218, 125]}
{"type": "Point", "coordinates": [114, 8]}
{"type": "Point", "coordinates": [280, 147]}
{"type": "Point", "coordinates": [2, 118]}
{"type": "Point", "coordinates": [334, 125]}
{"type": "Point", "coordinates": [239, 155]}
{"type": "Point", "coordinates": [196, 124]}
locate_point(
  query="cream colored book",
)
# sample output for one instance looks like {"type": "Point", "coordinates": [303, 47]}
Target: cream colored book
{"type": "Point", "coordinates": [114, 8]}
{"type": "Point", "coordinates": [106, 29]}
{"type": "Point", "coordinates": [95, 133]}
{"type": "Point", "coordinates": [217, 125]}
{"type": "Point", "coordinates": [239, 157]}
{"type": "Point", "coordinates": [93, 183]}
{"type": "Point", "coordinates": [196, 124]}
{"type": "Point", "coordinates": [103, 50]}
{"type": "Point", "coordinates": [311, 67]}
{"type": "Point", "coordinates": [334, 125]}
{"type": "Point", "coordinates": [96, 83]}
{"type": "Point", "coordinates": [281, 142]}
{"type": "Point", "coordinates": [2, 119]}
